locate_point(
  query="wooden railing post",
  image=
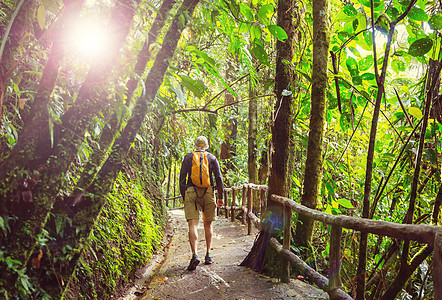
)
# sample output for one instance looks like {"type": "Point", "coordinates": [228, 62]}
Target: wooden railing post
{"type": "Point", "coordinates": [437, 269]}
{"type": "Point", "coordinates": [249, 209]}
{"type": "Point", "coordinates": [335, 257]}
{"type": "Point", "coordinates": [232, 204]}
{"type": "Point", "coordinates": [243, 203]}
{"type": "Point", "coordinates": [263, 201]}
{"type": "Point", "coordinates": [226, 203]}
{"type": "Point", "coordinates": [285, 276]}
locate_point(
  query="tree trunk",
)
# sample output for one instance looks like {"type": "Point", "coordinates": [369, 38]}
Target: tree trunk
{"type": "Point", "coordinates": [313, 164]}
{"type": "Point", "coordinates": [281, 128]}
{"type": "Point", "coordinates": [48, 183]}
{"type": "Point", "coordinates": [30, 135]}
{"type": "Point", "coordinates": [252, 166]}
{"type": "Point", "coordinates": [252, 136]}
{"type": "Point", "coordinates": [231, 127]}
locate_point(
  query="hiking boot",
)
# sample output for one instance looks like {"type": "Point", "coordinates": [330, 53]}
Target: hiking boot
{"type": "Point", "coordinates": [208, 260]}
{"type": "Point", "coordinates": [193, 263]}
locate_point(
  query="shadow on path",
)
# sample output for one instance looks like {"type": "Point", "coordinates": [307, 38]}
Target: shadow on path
{"type": "Point", "coordinates": [224, 279]}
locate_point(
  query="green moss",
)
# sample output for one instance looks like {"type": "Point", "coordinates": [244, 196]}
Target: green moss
{"type": "Point", "coordinates": [124, 238]}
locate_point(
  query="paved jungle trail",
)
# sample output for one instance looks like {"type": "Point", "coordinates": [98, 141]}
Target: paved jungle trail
{"type": "Point", "coordinates": [224, 279]}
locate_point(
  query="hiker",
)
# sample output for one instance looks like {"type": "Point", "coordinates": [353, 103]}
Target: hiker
{"type": "Point", "coordinates": [198, 190]}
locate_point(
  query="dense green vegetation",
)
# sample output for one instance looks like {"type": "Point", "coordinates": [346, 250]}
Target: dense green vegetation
{"type": "Point", "coordinates": [124, 238]}
{"type": "Point", "coordinates": [90, 143]}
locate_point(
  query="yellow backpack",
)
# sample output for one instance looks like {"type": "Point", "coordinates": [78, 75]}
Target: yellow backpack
{"type": "Point", "coordinates": [200, 170]}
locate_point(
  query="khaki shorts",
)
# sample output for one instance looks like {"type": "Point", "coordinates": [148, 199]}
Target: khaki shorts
{"type": "Point", "coordinates": [203, 200]}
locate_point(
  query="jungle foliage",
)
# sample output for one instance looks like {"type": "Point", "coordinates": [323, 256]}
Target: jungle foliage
{"type": "Point", "coordinates": [76, 127]}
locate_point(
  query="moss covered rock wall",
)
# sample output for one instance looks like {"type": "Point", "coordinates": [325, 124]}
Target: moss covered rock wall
{"type": "Point", "coordinates": [125, 236]}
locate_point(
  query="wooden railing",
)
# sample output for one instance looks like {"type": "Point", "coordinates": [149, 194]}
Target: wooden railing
{"type": "Point", "coordinates": [428, 234]}
{"type": "Point", "coordinates": [246, 206]}
{"type": "Point", "coordinates": [173, 199]}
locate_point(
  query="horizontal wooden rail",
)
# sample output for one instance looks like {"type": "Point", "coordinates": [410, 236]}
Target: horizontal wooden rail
{"type": "Point", "coordinates": [174, 203]}
{"type": "Point", "coordinates": [172, 198]}
{"type": "Point", "coordinates": [420, 233]}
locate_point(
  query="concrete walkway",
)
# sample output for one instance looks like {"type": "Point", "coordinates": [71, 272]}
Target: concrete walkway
{"type": "Point", "coordinates": [224, 279]}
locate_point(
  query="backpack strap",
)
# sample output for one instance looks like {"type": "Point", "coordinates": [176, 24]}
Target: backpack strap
{"type": "Point", "coordinates": [197, 196]}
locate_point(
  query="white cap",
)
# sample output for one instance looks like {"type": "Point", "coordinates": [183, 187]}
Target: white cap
{"type": "Point", "coordinates": [201, 143]}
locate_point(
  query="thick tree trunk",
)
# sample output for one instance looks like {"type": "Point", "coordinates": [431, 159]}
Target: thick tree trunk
{"type": "Point", "coordinates": [23, 152]}
{"type": "Point", "coordinates": [281, 128]}
{"type": "Point", "coordinates": [12, 36]}
{"type": "Point", "coordinates": [313, 164]}
{"type": "Point", "coordinates": [30, 221]}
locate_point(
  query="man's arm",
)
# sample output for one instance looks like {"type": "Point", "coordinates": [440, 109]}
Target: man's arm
{"type": "Point", "coordinates": [183, 175]}
{"type": "Point", "coordinates": [219, 182]}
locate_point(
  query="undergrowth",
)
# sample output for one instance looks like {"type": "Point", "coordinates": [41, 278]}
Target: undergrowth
{"type": "Point", "coordinates": [124, 238]}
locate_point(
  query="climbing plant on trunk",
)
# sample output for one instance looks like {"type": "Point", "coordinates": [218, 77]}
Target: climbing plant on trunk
{"type": "Point", "coordinates": [313, 165]}
{"type": "Point", "coordinates": [281, 129]}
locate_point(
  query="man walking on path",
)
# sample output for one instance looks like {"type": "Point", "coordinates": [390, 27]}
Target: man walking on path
{"type": "Point", "coordinates": [198, 190]}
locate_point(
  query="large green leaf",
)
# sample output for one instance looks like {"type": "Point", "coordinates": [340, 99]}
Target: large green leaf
{"type": "Point", "coordinates": [365, 63]}
{"type": "Point", "coordinates": [368, 37]}
{"type": "Point", "coordinates": [417, 14]}
{"type": "Point", "coordinates": [266, 12]}
{"type": "Point", "coordinates": [352, 66]}
{"type": "Point", "coordinates": [415, 112]}
{"type": "Point", "coordinates": [420, 47]}
{"type": "Point", "coordinates": [195, 86]}
{"type": "Point", "coordinates": [357, 80]}
{"type": "Point", "coordinates": [404, 3]}
{"type": "Point", "coordinates": [344, 202]}
{"type": "Point", "coordinates": [41, 16]}
{"type": "Point", "coordinates": [255, 32]}
{"type": "Point", "coordinates": [368, 76]}
{"type": "Point", "coordinates": [349, 10]}
{"type": "Point", "coordinates": [260, 53]}
{"type": "Point", "coordinates": [392, 12]}
{"type": "Point", "coordinates": [277, 32]}
{"type": "Point", "coordinates": [398, 65]}
{"type": "Point", "coordinates": [361, 22]}
{"type": "Point", "coordinates": [247, 12]}
{"type": "Point", "coordinates": [383, 24]}
{"type": "Point", "coordinates": [435, 22]}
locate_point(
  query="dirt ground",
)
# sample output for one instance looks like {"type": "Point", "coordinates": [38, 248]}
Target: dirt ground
{"type": "Point", "coordinates": [166, 276]}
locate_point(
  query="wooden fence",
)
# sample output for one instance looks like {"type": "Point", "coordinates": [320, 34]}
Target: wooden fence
{"type": "Point", "coordinates": [174, 204]}
{"type": "Point", "coordinates": [428, 234]}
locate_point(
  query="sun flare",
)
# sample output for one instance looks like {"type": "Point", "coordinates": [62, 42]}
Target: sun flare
{"type": "Point", "coordinates": [89, 39]}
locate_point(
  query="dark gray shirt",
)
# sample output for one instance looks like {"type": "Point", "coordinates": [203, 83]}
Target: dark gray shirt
{"type": "Point", "coordinates": [214, 170]}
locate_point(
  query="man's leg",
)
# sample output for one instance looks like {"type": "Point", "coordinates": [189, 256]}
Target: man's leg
{"type": "Point", "coordinates": [193, 235]}
{"type": "Point", "coordinates": [208, 232]}
{"type": "Point", "coordinates": [193, 240]}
